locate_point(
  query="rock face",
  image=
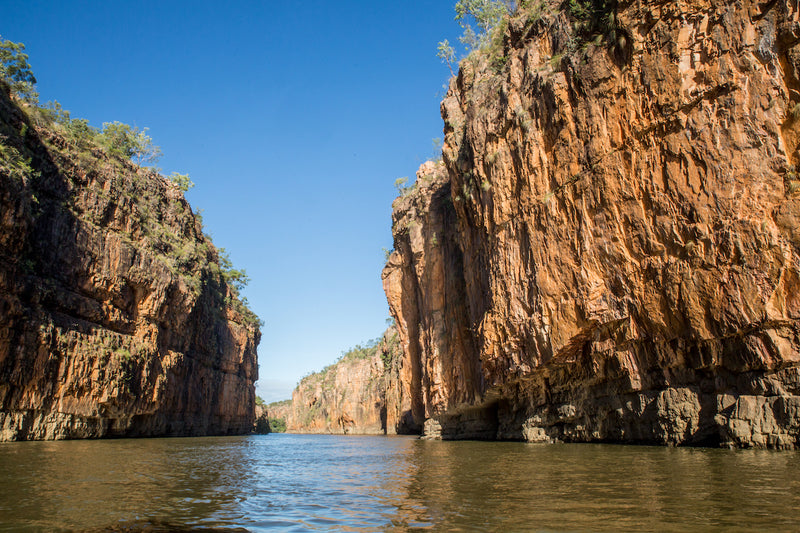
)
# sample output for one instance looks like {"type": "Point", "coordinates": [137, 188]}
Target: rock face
{"type": "Point", "coordinates": [279, 410]}
{"type": "Point", "coordinates": [115, 318]}
{"type": "Point", "coordinates": [356, 395]}
{"type": "Point", "coordinates": [611, 248]}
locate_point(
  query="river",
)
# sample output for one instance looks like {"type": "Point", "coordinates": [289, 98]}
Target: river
{"type": "Point", "coordinates": [321, 483]}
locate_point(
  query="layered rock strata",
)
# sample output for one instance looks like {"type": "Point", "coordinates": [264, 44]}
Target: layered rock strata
{"type": "Point", "coordinates": [359, 394]}
{"type": "Point", "coordinates": [611, 249]}
{"type": "Point", "coordinates": [115, 318]}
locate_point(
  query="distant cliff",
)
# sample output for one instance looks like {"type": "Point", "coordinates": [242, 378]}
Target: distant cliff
{"type": "Point", "coordinates": [359, 394]}
{"type": "Point", "coordinates": [115, 316]}
{"type": "Point", "coordinates": [610, 250]}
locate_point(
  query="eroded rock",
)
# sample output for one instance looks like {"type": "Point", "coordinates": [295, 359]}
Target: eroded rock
{"type": "Point", "coordinates": [609, 251]}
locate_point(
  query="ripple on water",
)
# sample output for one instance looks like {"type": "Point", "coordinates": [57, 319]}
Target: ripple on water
{"type": "Point", "coordinates": [322, 483]}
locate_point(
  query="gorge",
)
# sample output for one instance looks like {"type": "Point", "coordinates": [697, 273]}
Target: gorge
{"type": "Point", "coordinates": [608, 250]}
{"type": "Point", "coordinates": [589, 297]}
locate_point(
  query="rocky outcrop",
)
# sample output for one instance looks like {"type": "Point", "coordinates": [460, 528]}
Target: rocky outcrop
{"type": "Point", "coordinates": [279, 411]}
{"type": "Point", "coordinates": [115, 318]}
{"type": "Point", "coordinates": [610, 251]}
{"type": "Point", "coordinates": [356, 395]}
{"type": "Point", "coordinates": [425, 286]}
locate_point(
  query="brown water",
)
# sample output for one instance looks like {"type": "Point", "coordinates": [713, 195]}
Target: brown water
{"type": "Point", "coordinates": [322, 483]}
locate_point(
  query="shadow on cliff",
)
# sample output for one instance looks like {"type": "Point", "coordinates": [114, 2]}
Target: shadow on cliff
{"type": "Point", "coordinates": [60, 307]}
{"type": "Point", "coordinates": [25, 202]}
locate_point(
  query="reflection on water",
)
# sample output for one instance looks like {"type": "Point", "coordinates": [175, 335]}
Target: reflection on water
{"type": "Point", "coordinates": [511, 486]}
{"type": "Point", "coordinates": [305, 482]}
{"type": "Point", "coordinates": [89, 484]}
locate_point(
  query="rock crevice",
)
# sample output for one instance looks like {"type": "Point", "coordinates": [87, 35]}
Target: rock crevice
{"type": "Point", "coordinates": [609, 250]}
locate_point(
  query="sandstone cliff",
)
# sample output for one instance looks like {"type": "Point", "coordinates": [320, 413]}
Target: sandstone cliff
{"type": "Point", "coordinates": [115, 318]}
{"type": "Point", "coordinates": [359, 394]}
{"type": "Point", "coordinates": [611, 249]}
{"type": "Point", "coordinates": [279, 411]}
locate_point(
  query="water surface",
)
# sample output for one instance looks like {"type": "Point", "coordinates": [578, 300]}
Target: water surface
{"type": "Point", "coordinates": [322, 483]}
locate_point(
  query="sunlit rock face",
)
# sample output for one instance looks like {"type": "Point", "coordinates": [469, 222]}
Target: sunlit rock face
{"type": "Point", "coordinates": [115, 319]}
{"type": "Point", "coordinates": [610, 249]}
{"type": "Point", "coordinates": [359, 394]}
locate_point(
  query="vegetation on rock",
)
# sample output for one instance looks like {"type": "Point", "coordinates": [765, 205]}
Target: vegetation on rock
{"type": "Point", "coordinates": [277, 425]}
{"type": "Point", "coordinates": [113, 145]}
{"type": "Point", "coordinates": [15, 70]}
{"type": "Point", "coordinates": [356, 394]}
{"type": "Point", "coordinates": [105, 269]}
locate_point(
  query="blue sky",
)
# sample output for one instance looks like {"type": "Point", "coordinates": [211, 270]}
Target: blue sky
{"type": "Point", "coordinates": [293, 119]}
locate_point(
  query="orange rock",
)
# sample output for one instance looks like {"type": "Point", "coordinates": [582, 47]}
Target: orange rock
{"type": "Point", "coordinates": [114, 318]}
{"type": "Point", "coordinates": [356, 395]}
{"type": "Point", "coordinates": [611, 245]}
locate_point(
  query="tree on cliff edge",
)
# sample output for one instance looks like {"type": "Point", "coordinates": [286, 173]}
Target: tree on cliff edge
{"type": "Point", "coordinates": [16, 72]}
{"type": "Point", "coordinates": [486, 15]}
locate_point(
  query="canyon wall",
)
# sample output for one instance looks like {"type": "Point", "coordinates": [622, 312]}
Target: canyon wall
{"type": "Point", "coordinates": [359, 394]}
{"type": "Point", "coordinates": [115, 317]}
{"type": "Point", "coordinates": [610, 250]}
{"type": "Point", "coordinates": [278, 410]}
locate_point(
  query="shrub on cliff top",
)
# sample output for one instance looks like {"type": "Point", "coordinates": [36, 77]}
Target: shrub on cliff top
{"type": "Point", "coordinates": [131, 143]}
{"type": "Point", "coordinates": [487, 15]}
{"type": "Point", "coordinates": [182, 181]}
{"type": "Point", "coordinates": [359, 351]}
{"type": "Point", "coordinates": [16, 72]}
{"type": "Point", "coordinates": [236, 279]}
{"type": "Point", "coordinates": [401, 184]}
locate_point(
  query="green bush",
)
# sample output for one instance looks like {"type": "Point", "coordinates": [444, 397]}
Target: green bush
{"type": "Point", "coordinates": [16, 72]}
{"type": "Point", "coordinates": [401, 185]}
{"type": "Point", "coordinates": [79, 130]}
{"type": "Point", "coordinates": [277, 425]}
{"type": "Point", "coordinates": [488, 16]}
{"type": "Point", "coordinates": [593, 16]}
{"type": "Point", "coordinates": [52, 113]}
{"type": "Point", "coordinates": [13, 163]}
{"type": "Point", "coordinates": [129, 143]}
{"type": "Point", "coordinates": [237, 279]}
{"type": "Point", "coordinates": [447, 54]}
{"type": "Point", "coordinates": [360, 351]}
{"type": "Point", "coordinates": [182, 181]}
{"type": "Point", "coordinates": [597, 19]}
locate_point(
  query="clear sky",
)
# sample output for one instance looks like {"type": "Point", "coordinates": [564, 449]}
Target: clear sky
{"type": "Point", "coordinates": [293, 118]}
